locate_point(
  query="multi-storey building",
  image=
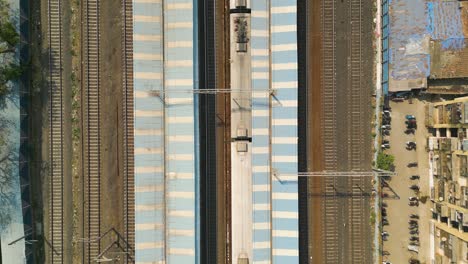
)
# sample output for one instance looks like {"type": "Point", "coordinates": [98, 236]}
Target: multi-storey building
{"type": "Point", "coordinates": [448, 154]}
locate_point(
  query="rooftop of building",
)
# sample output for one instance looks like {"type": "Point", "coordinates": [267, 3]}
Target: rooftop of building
{"type": "Point", "coordinates": [428, 42]}
{"type": "Point", "coordinates": [449, 59]}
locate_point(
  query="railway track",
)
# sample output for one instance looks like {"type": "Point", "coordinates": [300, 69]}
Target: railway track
{"type": "Point", "coordinates": [330, 208]}
{"type": "Point", "coordinates": [329, 83]}
{"type": "Point", "coordinates": [345, 218]}
{"type": "Point", "coordinates": [358, 206]}
{"type": "Point", "coordinates": [128, 139]}
{"type": "Point", "coordinates": [355, 84]}
{"type": "Point", "coordinates": [91, 129]}
{"type": "Point", "coordinates": [56, 132]}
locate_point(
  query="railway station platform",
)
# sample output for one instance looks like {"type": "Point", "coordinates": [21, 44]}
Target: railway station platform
{"type": "Point", "coordinates": [166, 176]}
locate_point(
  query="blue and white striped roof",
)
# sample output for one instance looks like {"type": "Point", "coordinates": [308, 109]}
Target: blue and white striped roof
{"type": "Point", "coordinates": [165, 174]}
{"type": "Point", "coordinates": [275, 204]}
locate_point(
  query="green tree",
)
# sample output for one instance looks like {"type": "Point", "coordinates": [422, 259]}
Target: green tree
{"type": "Point", "coordinates": [9, 71]}
{"type": "Point", "coordinates": [9, 40]}
{"type": "Point", "coordinates": [8, 167]}
{"type": "Point", "coordinates": [385, 161]}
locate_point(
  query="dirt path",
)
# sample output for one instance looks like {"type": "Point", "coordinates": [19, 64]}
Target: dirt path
{"type": "Point", "coordinates": [38, 116]}
{"type": "Point", "coordinates": [223, 137]}
{"type": "Point", "coordinates": [112, 185]}
{"type": "Point", "coordinates": [398, 209]}
{"type": "Point", "coordinates": [315, 152]}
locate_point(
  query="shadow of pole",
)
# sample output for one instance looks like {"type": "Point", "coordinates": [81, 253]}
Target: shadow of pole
{"type": "Point", "coordinates": [395, 194]}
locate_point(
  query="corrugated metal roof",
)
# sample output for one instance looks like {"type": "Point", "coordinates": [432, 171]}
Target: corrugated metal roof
{"type": "Point", "coordinates": [165, 176]}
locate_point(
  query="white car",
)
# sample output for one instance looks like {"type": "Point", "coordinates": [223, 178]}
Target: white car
{"type": "Point", "coordinates": [413, 248]}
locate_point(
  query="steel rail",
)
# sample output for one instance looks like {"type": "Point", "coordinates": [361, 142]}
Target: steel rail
{"type": "Point", "coordinates": [128, 137]}
{"type": "Point", "coordinates": [56, 109]}
{"type": "Point", "coordinates": [91, 119]}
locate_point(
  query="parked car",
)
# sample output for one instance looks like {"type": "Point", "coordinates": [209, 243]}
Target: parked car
{"type": "Point", "coordinates": [385, 222]}
{"type": "Point", "coordinates": [410, 145]}
{"type": "Point", "coordinates": [410, 148]}
{"type": "Point", "coordinates": [412, 222]}
{"type": "Point", "coordinates": [385, 233]}
{"type": "Point", "coordinates": [413, 248]}
{"type": "Point", "coordinates": [414, 232]}
{"type": "Point", "coordinates": [414, 216]}
{"type": "Point", "coordinates": [385, 146]}
{"type": "Point", "coordinates": [412, 164]}
{"type": "Point", "coordinates": [414, 238]}
{"type": "Point", "coordinates": [414, 261]}
{"type": "Point", "coordinates": [414, 177]}
{"type": "Point", "coordinates": [414, 243]}
{"type": "Point", "coordinates": [409, 131]}
{"type": "Point", "coordinates": [388, 127]}
{"type": "Point", "coordinates": [410, 117]}
{"type": "Point", "coordinates": [413, 198]}
{"type": "Point", "coordinates": [413, 203]}
{"type": "Point", "coordinates": [411, 126]}
{"type": "Point", "coordinates": [414, 187]}
{"type": "Point", "coordinates": [412, 227]}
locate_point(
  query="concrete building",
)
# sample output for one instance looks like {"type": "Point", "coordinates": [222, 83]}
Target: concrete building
{"type": "Point", "coordinates": [427, 46]}
{"type": "Point", "coordinates": [448, 173]}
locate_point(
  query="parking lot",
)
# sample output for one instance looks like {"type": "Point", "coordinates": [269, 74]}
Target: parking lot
{"type": "Point", "coordinates": [398, 208]}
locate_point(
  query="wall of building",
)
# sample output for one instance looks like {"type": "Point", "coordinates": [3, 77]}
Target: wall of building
{"type": "Point", "coordinates": [448, 186]}
{"type": "Point", "coordinates": [385, 48]}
